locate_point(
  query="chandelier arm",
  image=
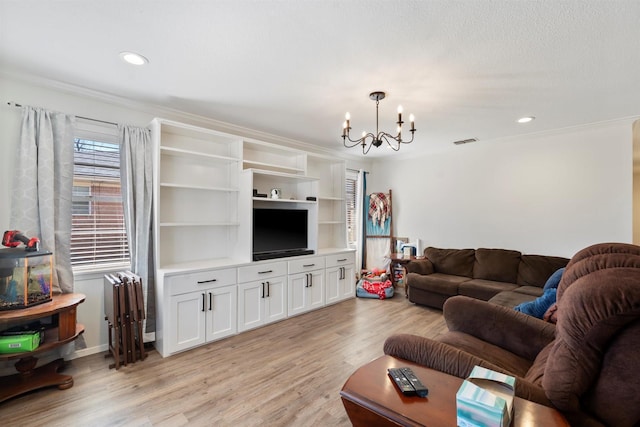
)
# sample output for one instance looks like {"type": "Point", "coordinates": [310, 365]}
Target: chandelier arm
{"type": "Point", "coordinates": [366, 148]}
{"type": "Point", "coordinates": [360, 141]}
{"type": "Point", "coordinates": [397, 137]}
{"type": "Point", "coordinates": [386, 137]}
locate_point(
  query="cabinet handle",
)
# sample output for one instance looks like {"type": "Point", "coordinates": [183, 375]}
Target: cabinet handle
{"type": "Point", "coordinates": [262, 295]}
{"type": "Point", "coordinates": [200, 282]}
{"type": "Point", "coordinates": [308, 265]}
{"type": "Point", "coordinates": [265, 272]}
{"type": "Point", "coordinates": [342, 260]}
{"type": "Point", "coordinates": [306, 280]}
{"type": "Point", "coordinates": [268, 290]}
{"type": "Point", "coordinates": [310, 279]}
{"type": "Point", "coordinates": [210, 302]}
{"type": "Point", "coordinates": [203, 302]}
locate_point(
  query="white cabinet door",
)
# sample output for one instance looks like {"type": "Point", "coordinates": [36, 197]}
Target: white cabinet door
{"type": "Point", "coordinates": [315, 298]}
{"type": "Point", "coordinates": [276, 299]}
{"type": "Point", "coordinates": [221, 317]}
{"type": "Point", "coordinates": [341, 281]}
{"type": "Point", "coordinates": [306, 292]}
{"type": "Point", "coordinates": [261, 302]}
{"type": "Point", "coordinates": [250, 305]}
{"type": "Point", "coordinates": [298, 284]}
{"type": "Point", "coordinates": [348, 282]}
{"type": "Point", "coordinates": [187, 326]}
{"type": "Point", "coordinates": [333, 285]}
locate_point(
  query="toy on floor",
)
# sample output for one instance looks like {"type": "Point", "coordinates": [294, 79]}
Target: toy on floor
{"type": "Point", "coordinates": [374, 284]}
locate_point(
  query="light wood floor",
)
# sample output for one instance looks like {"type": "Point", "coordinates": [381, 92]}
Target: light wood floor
{"type": "Point", "coordinates": [285, 374]}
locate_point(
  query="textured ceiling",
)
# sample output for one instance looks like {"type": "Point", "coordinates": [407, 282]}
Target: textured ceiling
{"type": "Point", "coordinates": [294, 67]}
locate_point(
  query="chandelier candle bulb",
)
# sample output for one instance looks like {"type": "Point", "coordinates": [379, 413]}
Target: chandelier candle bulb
{"type": "Point", "coordinates": [399, 114]}
{"type": "Point", "coordinates": [412, 119]}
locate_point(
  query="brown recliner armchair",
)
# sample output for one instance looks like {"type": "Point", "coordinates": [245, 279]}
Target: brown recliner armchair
{"type": "Point", "coordinates": [587, 365]}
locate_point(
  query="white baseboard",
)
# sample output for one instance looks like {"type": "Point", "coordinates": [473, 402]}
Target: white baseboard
{"type": "Point", "coordinates": [88, 351]}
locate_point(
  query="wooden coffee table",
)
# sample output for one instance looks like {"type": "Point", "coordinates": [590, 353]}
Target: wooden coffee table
{"type": "Point", "coordinates": [370, 398]}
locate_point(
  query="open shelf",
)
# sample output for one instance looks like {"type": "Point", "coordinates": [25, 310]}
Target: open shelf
{"type": "Point", "coordinates": [197, 187]}
{"type": "Point", "coordinates": [268, 200]}
{"type": "Point", "coordinates": [199, 224]}
{"type": "Point", "coordinates": [269, 167]}
{"type": "Point", "coordinates": [179, 152]}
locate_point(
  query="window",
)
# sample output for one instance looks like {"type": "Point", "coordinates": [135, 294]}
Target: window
{"type": "Point", "coordinates": [98, 234]}
{"type": "Point", "coordinates": [350, 195]}
{"type": "Point", "coordinates": [81, 200]}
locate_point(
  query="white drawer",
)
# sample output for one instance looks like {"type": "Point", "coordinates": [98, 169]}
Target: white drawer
{"type": "Point", "coordinates": [265, 271]}
{"type": "Point", "coordinates": [189, 282]}
{"type": "Point", "coordinates": [341, 259]}
{"type": "Point", "coordinates": [306, 264]}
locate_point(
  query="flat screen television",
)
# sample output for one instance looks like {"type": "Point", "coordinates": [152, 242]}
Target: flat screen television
{"type": "Point", "coordinates": [280, 233]}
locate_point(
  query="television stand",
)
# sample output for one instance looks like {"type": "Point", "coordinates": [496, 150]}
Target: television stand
{"type": "Point", "coordinates": [262, 256]}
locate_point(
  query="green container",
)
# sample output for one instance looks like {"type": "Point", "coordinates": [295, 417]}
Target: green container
{"type": "Point", "coordinates": [19, 343]}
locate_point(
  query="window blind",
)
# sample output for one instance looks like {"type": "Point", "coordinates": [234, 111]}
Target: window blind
{"type": "Point", "coordinates": [350, 195]}
{"type": "Point", "coordinates": [98, 234]}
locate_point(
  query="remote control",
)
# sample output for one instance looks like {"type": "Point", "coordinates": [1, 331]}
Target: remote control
{"type": "Point", "coordinates": [420, 389]}
{"type": "Point", "coordinates": [401, 381]}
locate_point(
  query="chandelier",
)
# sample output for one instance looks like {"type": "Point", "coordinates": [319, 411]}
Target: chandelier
{"type": "Point", "coordinates": [369, 140]}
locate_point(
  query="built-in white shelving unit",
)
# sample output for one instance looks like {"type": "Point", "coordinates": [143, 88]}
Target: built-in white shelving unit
{"type": "Point", "coordinates": [207, 285]}
{"type": "Point", "coordinates": [331, 200]}
{"type": "Point", "coordinates": [196, 193]}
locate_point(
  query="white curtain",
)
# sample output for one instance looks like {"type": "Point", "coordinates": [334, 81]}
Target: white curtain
{"type": "Point", "coordinates": [136, 176]}
{"type": "Point", "coordinates": [42, 188]}
{"type": "Point", "coordinates": [360, 194]}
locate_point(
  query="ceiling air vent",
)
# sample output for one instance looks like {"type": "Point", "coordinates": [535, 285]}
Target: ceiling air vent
{"type": "Point", "coordinates": [465, 141]}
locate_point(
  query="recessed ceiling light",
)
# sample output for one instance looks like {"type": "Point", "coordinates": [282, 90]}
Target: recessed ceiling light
{"type": "Point", "coordinates": [526, 119]}
{"type": "Point", "coordinates": [133, 58]}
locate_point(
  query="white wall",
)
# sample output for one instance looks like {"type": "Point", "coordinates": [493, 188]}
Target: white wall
{"type": "Point", "coordinates": [551, 193]}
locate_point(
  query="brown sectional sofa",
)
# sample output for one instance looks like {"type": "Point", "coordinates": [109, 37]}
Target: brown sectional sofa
{"type": "Point", "coordinates": [505, 277]}
{"type": "Point", "coordinates": [586, 365]}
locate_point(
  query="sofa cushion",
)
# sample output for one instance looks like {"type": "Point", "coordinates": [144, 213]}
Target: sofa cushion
{"type": "Point", "coordinates": [511, 298]}
{"type": "Point", "coordinates": [444, 284]}
{"type": "Point", "coordinates": [483, 289]}
{"type": "Point", "coordinates": [534, 270]}
{"type": "Point", "coordinates": [534, 291]}
{"type": "Point", "coordinates": [458, 262]}
{"type": "Point", "coordinates": [496, 264]}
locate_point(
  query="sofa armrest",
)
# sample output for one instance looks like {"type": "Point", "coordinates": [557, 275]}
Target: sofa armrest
{"type": "Point", "coordinates": [516, 332]}
{"type": "Point", "coordinates": [420, 266]}
{"type": "Point", "coordinates": [450, 360]}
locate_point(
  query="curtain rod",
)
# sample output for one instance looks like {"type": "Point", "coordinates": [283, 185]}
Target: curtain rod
{"type": "Point", "coordinates": [15, 104]}
{"type": "Point", "coordinates": [356, 170]}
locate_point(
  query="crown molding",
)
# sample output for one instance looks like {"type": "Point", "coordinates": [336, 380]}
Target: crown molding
{"type": "Point", "coordinates": [167, 112]}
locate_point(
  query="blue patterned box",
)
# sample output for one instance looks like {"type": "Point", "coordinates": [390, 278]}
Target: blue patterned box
{"type": "Point", "coordinates": [485, 399]}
